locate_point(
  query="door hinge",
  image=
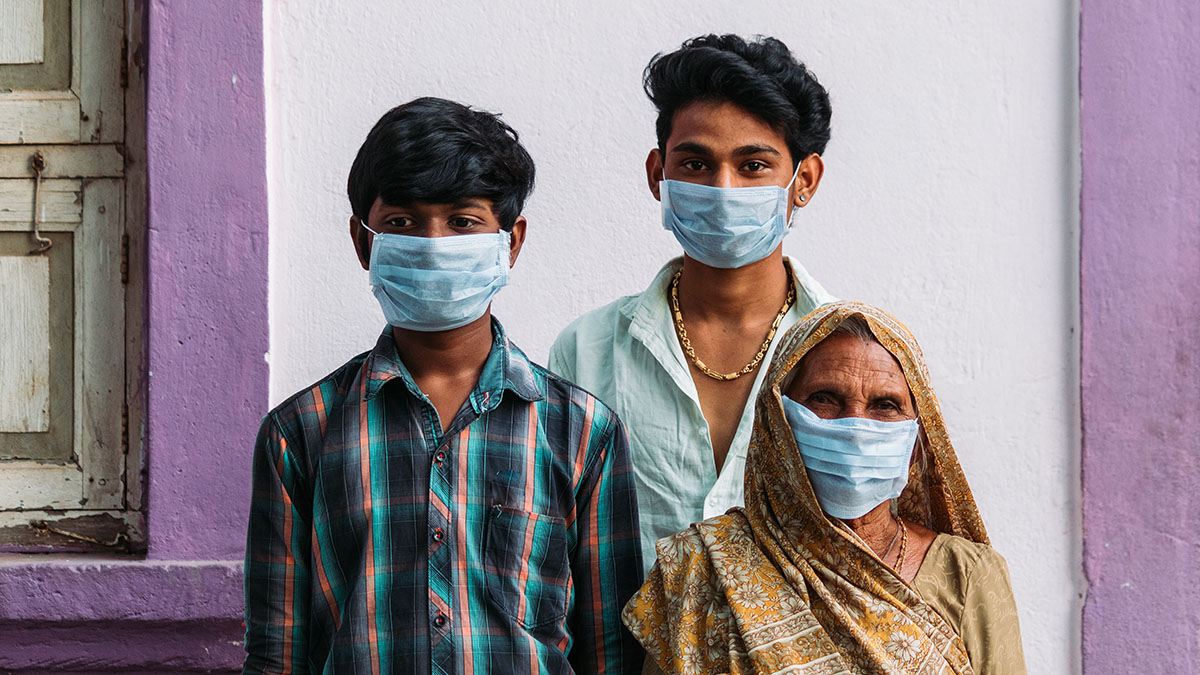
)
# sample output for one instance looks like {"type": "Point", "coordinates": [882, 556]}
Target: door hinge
{"type": "Point", "coordinates": [125, 258]}
{"type": "Point", "coordinates": [125, 63]}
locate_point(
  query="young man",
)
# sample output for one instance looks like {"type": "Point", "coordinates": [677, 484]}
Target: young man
{"type": "Point", "coordinates": [741, 127]}
{"type": "Point", "coordinates": [440, 504]}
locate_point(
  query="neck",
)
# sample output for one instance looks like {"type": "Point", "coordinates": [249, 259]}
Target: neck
{"type": "Point", "coordinates": [456, 353]}
{"type": "Point", "coordinates": [876, 527]}
{"type": "Point", "coordinates": [738, 295]}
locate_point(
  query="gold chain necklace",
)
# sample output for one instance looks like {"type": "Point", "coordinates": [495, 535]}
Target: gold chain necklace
{"type": "Point", "coordinates": [762, 351]}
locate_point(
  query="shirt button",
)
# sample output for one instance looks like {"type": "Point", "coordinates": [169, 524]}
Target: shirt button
{"type": "Point", "coordinates": [437, 534]}
{"type": "Point", "coordinates": [439, 458]}
{"type": "Point", "coordinates": [439, 621]}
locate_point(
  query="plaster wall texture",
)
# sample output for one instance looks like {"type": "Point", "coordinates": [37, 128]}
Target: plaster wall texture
{"type": "Point", "coordinates": [1140, 119]}
{"type": "Point", "coordinates": [949, 199]}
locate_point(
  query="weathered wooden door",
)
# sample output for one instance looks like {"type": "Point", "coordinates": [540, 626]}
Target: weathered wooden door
{"type": "Point", "coordinates": [64, 272]}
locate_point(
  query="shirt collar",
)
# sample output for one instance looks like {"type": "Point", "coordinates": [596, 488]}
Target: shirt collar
{"type": "Point", "coordinates": [650, 318]}
{"type": "Point", "coordinates": [506, 367]}
{"type": "Point", "coordinates": [652, 322]}
{"type": "Point", "coordinates": [652, 302]}
{"type": "Point", "coordinates": [647, 309]}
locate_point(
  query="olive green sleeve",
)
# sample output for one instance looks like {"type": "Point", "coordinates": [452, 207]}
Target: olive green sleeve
{"type": "Point", "coordinates": [989, 625]}
{"type": "Point", "coordinates": [967, 584]}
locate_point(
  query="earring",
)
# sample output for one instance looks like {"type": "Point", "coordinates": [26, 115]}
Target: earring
{"type": "Point", "coordinates": [801, 197]}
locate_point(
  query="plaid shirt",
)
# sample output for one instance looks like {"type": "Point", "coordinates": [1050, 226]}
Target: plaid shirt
{"type": "Point", "coordinates": [378, 544]}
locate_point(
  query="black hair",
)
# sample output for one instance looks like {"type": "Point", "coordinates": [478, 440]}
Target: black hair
{"type": "Point", "coordinates": [760, 76]}
{"type": "Point", "coordinates": [435, 151]}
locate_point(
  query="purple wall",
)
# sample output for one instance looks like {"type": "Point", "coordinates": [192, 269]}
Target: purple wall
{"type": "Point", "coordinates": [180, 608]}
{"type": "Point", "coordinates": [206, 148]}
{"type": "Point", "coordinates": [1140, 267]}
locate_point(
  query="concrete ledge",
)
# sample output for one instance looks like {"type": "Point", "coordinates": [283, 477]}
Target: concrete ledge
{"type": "Point", "coordinates": [46, 592]}
{"type": "Point", "coordinates": [213, 646]}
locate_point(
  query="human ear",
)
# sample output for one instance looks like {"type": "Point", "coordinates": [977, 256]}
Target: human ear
{"type": "Point", "coordinates": [808, 177]}
{"type": "Point", "coordinates": [516, 238]}
{"type": "Point", "coordinates": [362, 242]}
{"type": "Point", "coordinates": [654, 172]}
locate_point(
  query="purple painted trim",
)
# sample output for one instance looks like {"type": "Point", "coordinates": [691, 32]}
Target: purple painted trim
{"type": "Point", "coordinates": [207, 258]}
{"type": "Point", "coordinates": [1140, 310]}
{"type": "Point", "coordinates": [207, 334]}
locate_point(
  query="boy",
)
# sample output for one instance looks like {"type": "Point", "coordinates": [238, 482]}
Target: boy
{"type": "Point", "coordinates": [741, 128]}
{"type": "Point", "coordinates": [440, 504]}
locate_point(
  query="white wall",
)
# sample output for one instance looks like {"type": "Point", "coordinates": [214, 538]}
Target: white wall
{"type": "Point", "coordinates": [949, 199]}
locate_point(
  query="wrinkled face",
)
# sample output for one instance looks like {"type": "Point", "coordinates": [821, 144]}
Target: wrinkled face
{"type": "Point", "coordinates": [845, 377]}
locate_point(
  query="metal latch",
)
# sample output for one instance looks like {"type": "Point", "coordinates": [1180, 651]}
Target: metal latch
{"type": "Point", "coordinates": [38, 164]}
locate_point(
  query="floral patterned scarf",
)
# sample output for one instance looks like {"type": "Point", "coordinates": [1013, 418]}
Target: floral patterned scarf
{"type": "Point", "coordinates": [779, 588]}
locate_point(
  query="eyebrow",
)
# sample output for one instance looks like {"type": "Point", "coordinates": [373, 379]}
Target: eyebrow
{"type": "Point", "coordinates": [755, 150]}
{"type": "Point", "coordinates": [693, 148]}
{"type": "Point", "coordinates": [744, 151]}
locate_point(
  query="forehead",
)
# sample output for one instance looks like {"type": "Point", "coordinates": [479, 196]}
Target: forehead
{"type": "Point", "coordinates": [722, 126]}
{"type": "Point", "coordinates": [847, 360]}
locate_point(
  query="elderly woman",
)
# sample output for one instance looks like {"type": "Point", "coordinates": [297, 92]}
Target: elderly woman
{"type": "Point", "coordinates": [860, 549]}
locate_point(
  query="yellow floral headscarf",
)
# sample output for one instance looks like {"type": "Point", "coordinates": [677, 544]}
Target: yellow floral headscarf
{"type": "Point", "coordinates": [777, 587]}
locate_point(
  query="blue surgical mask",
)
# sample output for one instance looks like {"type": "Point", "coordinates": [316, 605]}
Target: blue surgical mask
{"type": "Point", "coordinates": [726, 227]}
{"type": "Point", "coordinates": [854, 464]}
{"type": "Point", "coordinates": [437, 283]}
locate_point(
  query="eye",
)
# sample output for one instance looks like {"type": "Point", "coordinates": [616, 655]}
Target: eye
{"type": "Point", "coordinates": [462, 223]}
{"type": "Point", "coordinates": [889, 407]}
{"type": "Point", "coordinates": [754, 166]}
{"type": "Point", "coordinates": [693, 165]}
{"type": "Point", "coordinates": [820, 397]}
{"type": "Point", "coordinates": [398, 222]}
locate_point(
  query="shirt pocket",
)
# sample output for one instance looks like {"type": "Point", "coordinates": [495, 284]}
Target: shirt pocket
{"type": "Point", "coordinates": [525, 565]}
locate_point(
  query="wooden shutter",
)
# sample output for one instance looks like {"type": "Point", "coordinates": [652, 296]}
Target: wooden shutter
{"type": "Point", "coordinates": [63, 312]}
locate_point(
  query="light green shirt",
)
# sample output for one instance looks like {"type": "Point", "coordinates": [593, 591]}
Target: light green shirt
{"type": "Point", "coordinates": [627, 354]}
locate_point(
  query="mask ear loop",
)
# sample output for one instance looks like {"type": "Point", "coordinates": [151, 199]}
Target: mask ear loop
{"type": "Point", "coordinates": [791, 218]}
{"type": "Point", "coordinates": [371, 253]}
